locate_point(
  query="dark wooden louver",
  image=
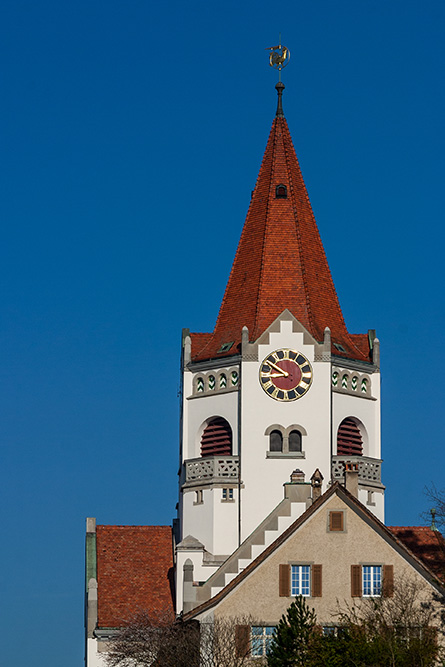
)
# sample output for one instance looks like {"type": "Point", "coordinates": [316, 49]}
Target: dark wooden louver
{"type": "Point", "coordinates": [349, 439]}
{"type": "Point", "coordinates": [217, 438]}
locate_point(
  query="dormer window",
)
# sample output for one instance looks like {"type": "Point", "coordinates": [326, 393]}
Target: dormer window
{"type": "Point", "coordinates": [281, 191]}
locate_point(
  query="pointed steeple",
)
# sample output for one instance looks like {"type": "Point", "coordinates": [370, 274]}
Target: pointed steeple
{"type": "Point", "coordinates": [280, 262]}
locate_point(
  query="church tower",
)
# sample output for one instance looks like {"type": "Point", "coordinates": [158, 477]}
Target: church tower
{"type": "Point", "coordinates": [280, 394]}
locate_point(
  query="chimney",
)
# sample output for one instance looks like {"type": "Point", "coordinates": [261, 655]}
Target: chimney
{"type": "Point", "coordinates": [297, 490]}
{"type": "Point", "coordinates": [188, 587]}
{"type": "Point", "coordinates": [351, 478]}
{"type": "Point", "coordinates": [316, 483]}
{"type": "Point", "coordinates": [297, 477]}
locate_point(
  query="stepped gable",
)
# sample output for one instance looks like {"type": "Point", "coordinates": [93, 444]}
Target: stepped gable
{"type": "Point", "coordinates": [134, 573]}
{"type": "Point", "coordinates": [280, 263]}
{"type": "Point", "coordinates": [426, 543]}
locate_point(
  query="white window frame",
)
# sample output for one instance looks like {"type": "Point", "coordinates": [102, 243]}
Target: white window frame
{"type": "Point", "coordinates": [260, 640]}
{"type": "Point", "coordinates": [300, 580]}
{"type": "Point", "coordinates": [372, 580]}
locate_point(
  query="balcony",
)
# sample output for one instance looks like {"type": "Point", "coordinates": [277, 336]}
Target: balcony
{"type": "Point", "coordinates": [369, 470]}
{"type": "Point", "coordinates": [212, 469]}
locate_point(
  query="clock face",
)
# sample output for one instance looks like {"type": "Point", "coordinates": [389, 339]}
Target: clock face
{"type": "Point", "coordinates": [285, 375]}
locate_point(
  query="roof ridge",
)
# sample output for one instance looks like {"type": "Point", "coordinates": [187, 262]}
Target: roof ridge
{"type": "Point", "coordinates": [263, 245]}
{"type": "Point", "coordinates": [297, 226]}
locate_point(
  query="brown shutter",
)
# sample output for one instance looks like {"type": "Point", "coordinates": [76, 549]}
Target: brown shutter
{"type": "Point", "coordinates": [356, 581]}
{"type": "Point", "coordinates": [388, 581]}
{"type": "Point", "coordinates": [284, 583]}
{"type": "Point", "coordinates": [242, 640]}
{"type": "Point", "coordinates": [316, 581]}
{"type": "Point", "coordinates": [336, 521]}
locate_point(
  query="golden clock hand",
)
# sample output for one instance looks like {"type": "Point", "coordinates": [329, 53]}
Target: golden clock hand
{"type": "Point", "coordinates": [283, 374]}
{"type": "Point", "coordinates": [270, 363]}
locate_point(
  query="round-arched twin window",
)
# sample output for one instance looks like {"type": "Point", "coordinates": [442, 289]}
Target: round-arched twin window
{"type": "Point", "coordinates": [282, 441]}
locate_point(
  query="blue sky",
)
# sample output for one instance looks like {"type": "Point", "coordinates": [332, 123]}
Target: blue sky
{"type": "Point", "coordinates": [131, 138]}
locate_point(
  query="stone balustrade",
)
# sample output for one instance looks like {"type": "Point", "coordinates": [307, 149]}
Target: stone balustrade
{"type": "Point", "coordinates": [212, 468]}
{"type": "Point", "coordinates": [369, 470]}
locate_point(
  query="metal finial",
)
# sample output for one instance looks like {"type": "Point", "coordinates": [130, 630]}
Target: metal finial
{"type": "Point", "coordinates": [279, 88]}
{"type": "Point", "coordinates": [433, 519]}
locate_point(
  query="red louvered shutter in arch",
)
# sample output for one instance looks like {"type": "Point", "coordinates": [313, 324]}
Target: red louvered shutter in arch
{"type": "Point", "coordinates": [216, 439]}
{"type": "Point", "coordinates": [349, 439]}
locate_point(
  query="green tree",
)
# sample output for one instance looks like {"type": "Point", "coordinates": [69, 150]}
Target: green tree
{"type": "Point", "coordinates": [293, 638]}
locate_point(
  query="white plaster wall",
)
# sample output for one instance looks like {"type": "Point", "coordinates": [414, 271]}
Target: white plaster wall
{"type": "Point", "coordinates": [366, 410]}
{"type": "Point", "coordinates": [213, 522]}
{"type": "Point", "coordinates": [198, 520]}
{"type": "Point", "coordinates": [201, 572]}
{"type": "Point", "coordinates": [94, 659]}
{"type": "Point", "coordinates": [378, 502]}
{"type": "Point", "coordinates": [225, 531]}
{"type": "Point", "coordinates": [198, 410]}
{"type": "Point", "coordinates": [263, 478]}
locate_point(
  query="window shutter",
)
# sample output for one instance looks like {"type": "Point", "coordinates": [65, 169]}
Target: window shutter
{"type": "Point", "coordinates": [356, 581]}
{"type": "Point", "coordinates": [388, 581]}
{"type": "Point", "coordinates": [336, 521]}
{"type": "Point", "coordinates": [316, 581]}
{"type": "Point", "coordinates": [242, 640]}
{"type": "Point", "coordinates": [284, 582]}
{"type": "Point", "coordinates": [349, 439]}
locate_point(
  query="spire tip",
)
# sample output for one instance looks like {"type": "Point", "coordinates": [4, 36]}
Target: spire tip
{"type": "Point", "coordinates": [279, 88]}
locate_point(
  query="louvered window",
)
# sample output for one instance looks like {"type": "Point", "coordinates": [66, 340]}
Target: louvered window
{"type": "Point", "coordinates": [349, 439]}
{"type": "Point", "coordinates": [217, 438]}
{"type": "Point", "coordinates": [336, 522]}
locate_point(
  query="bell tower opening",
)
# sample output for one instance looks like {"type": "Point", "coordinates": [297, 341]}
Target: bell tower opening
{"type": "Point", "coordinates": [216, 439]}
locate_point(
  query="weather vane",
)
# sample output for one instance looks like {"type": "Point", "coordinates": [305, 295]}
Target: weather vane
{"type": "Point", "coordinates": [279, 57]}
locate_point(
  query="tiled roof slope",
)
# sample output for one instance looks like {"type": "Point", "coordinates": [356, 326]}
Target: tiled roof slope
{"type": "Point", "coordinates": [280, 263]}
{"type": "Point", "coordinates": [426, 544]}
{"type": "Point", "coordinates": [134, 573]}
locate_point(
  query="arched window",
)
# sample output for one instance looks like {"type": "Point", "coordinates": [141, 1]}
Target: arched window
{"type": "Point", "coordinates": [349, 439]}
{"type": "Point", "coordinates": [216, 439]}
{"type": "Point", "coordinates": [295, 441]}
{"type": "Point", "coordinates": [281, 191]}
{"type": "Point", "coordinates": [276, 441]}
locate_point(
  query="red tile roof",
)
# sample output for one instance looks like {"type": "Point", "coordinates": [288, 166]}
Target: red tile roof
{"type": "Point", "coordinates": [280, 263]}
{"type": "Point", "coordinates": [134, 573]}
{"type": "Point", "coordinates": [426, 544]}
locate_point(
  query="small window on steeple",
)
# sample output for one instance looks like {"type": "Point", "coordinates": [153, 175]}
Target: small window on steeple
{"type": "Point", "coordinates": [281, 191]}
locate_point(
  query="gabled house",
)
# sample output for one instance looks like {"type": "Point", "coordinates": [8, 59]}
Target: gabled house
{"type": "Point", "coordinates": [336, 554]}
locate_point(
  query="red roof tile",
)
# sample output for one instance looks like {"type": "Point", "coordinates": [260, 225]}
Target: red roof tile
{"type": "Point", "coordinates": [134, 573]}
{"type": "Point", "coordinates": [280, 263]}
{"type": "Point", "coordinates": [426, 544]}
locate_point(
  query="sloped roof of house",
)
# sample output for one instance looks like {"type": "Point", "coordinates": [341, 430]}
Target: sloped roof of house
{"type": "Point", "coordinates": [134, 573]}
{"type": "Point", "coordinates": [426, 544]}
{"type": "Point", "coordinates": [280, 263]}
{"type": "Point", "coordinates": [389, 533]}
